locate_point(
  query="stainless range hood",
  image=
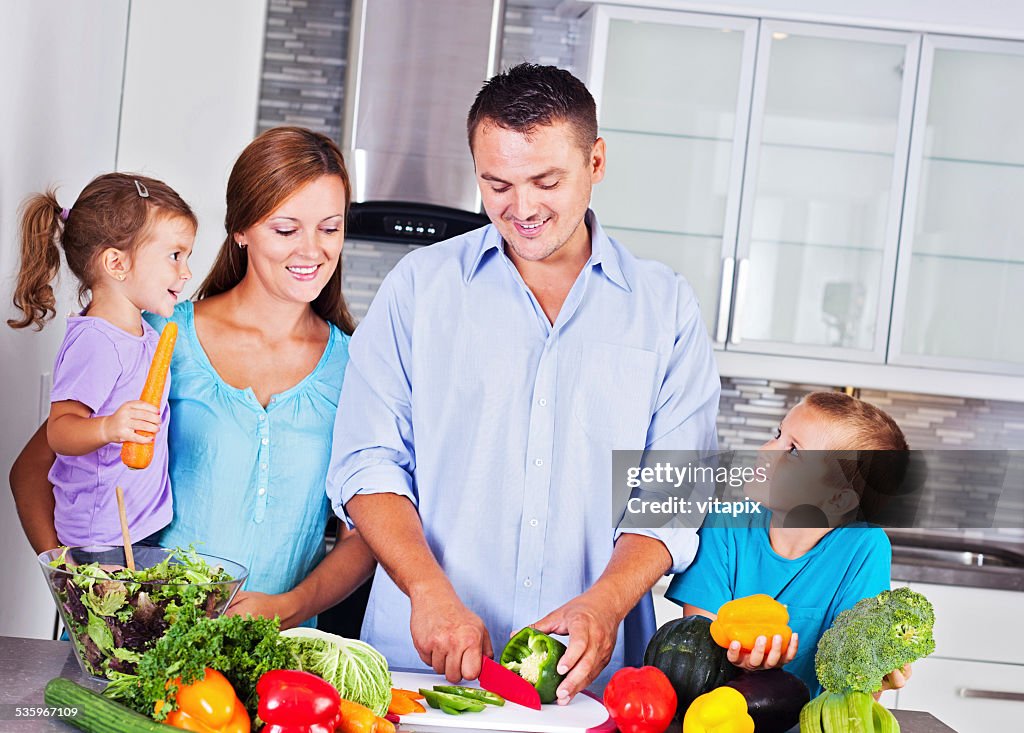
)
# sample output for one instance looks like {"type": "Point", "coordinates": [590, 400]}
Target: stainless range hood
{"type": "Point", "coordinates": [415, 67]}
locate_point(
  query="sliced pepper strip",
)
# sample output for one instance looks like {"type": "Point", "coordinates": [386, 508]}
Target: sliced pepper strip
{"type": "Point", "coordinates": [402, 705]}
{"type": "Point", "coordinates": [472, 693]}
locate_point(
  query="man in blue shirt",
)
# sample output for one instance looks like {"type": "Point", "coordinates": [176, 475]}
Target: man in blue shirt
{"type": "Point", "coordinates": [488, 385]}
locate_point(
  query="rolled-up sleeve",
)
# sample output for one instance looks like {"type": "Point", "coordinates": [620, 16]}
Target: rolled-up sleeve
{"type": "Point", "coordinates": [372, 449]}
{"type": "Point", "coordinates": [685, 411]}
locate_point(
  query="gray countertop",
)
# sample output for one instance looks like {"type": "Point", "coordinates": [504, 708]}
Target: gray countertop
{"type": "Point", "coordinates": [26, 665]}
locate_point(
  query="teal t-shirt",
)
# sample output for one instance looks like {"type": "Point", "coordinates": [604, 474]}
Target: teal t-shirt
{"type": "Point", "coordinates": [849, 563]}
{"type": "Point", "coordinates": [248, 481]}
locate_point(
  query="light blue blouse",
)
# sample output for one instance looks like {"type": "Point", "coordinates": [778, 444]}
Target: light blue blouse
{"type": "Point", "coordinates": [248, 481]}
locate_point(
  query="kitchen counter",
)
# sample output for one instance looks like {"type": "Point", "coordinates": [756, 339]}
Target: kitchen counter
{"type": "Point", "coordinates": [26, 665]}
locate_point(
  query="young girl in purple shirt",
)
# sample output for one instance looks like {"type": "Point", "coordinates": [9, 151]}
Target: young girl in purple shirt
{"type": "Point", "coordinates": [127, 240]}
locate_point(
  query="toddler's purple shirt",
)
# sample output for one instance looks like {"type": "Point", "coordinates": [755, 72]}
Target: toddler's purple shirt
{"type": "Point", "coordinates": [103, 367]}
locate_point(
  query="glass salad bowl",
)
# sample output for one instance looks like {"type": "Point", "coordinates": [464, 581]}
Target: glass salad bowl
{"type": "Point", "coordinates": [114, 615]}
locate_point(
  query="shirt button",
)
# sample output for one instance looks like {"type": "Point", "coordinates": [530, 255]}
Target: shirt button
{"type": "Point", "coordinates": [265, 441]}
{"type": "Point", "coordinates": [538, 462]}
{"type": "Point", "coordinates": [262, 491]}
{"type": "Point", "coordinates": [533, 522]}
{"type": "Point", "coordinates": [527, 583]}
{"type": "Point", "coordinates": [542, 402]}
{"type": "Point", "coordinates": [262, 418]}
{"type": "Point", "coordinates": [263, 466]}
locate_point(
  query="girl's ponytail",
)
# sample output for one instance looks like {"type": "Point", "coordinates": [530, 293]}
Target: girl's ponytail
{"type": "Point", "coordinates": [41, 221]}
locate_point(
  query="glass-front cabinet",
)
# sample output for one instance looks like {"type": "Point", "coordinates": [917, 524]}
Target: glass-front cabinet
{"type": "Point", "coordinates": [838, 193]}
{"type": "Point", "coordinates": [820, 214]}
{"type": "Point", "coordinates": [676, 140]}
{"type": "Point", "coordinates": [960, 283]}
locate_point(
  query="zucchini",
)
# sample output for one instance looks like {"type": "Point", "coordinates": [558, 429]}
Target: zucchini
{"type": "Point", "coordinates": [97, 714]}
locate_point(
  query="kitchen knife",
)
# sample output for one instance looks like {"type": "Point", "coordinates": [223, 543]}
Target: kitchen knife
{"type": "Point", "coordinates": [495, 678]}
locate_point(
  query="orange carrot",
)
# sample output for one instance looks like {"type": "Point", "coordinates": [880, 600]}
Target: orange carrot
{"type": "Point", "coordinates": [139, 455]}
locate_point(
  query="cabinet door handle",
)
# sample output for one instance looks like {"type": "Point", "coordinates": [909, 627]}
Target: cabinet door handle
{"type": "Point", "coordinates": [741, 296]}
{"type": "Point", "coordinates": [724, 300]}
{"type": "Point", "coordinates": [992, 694]}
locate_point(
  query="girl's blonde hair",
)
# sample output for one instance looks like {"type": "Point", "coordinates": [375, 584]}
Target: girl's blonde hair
{"type": "Point", "coordinates": [114, 210]}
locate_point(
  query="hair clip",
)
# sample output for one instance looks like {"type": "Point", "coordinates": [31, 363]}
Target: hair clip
{"type": "Point", "coordinates": [143, 191]}
{"type": "Point", "coordinates": [64, 214]}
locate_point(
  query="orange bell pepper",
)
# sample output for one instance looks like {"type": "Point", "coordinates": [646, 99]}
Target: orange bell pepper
{"type": "Point", "coordinates": [356, 718]}
{"type": "Point", "coordinates": [209, 705]}
{"type": "Point", "coordinates": [745, 619]}
{"type": "Point", "coordinates": [403, 705]}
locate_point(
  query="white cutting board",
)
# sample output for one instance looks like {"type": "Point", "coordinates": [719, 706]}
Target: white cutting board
{"type": "Point", "coordinates": [582, 714]}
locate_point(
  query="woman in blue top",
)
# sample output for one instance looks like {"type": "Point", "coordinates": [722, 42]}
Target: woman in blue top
{"type": "Point", "coordinates": [818, 568]}
{"type": "Point", "coordinates": [257, 371]}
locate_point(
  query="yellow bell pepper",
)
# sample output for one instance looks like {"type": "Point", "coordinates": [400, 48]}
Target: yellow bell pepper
{"type": "Point", "coordinates": [745, 619]}
{"type": "Point", "coordinates": [723, 710]}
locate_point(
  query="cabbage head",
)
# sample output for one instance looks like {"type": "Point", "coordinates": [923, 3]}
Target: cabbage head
{"type": "Point", "coordinates": [358, 671]}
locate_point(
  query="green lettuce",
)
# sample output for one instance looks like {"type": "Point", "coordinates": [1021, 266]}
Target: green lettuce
{"type": "Point", "coordinates": [358, 671]}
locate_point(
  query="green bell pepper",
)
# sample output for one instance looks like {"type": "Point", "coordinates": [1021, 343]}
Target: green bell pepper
{"type": "Point", "coordinates": [534, 656]}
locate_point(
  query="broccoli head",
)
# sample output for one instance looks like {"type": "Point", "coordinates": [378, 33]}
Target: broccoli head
{"type": "Point", "coordinates": [873, 638]}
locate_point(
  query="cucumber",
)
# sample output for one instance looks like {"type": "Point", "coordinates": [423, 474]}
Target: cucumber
{"type": "Point", "coordinates": [97, 714]}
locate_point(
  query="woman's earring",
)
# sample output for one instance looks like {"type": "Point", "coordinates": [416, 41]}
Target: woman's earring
{"type": "Point", "coordinates": [241, 245]}
{"type": "Point", "coordinates": [120, 276]}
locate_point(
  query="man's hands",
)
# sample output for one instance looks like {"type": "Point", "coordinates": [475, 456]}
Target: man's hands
{"type": "Point", "coordinates": [756, 658]}
{"type": "Point", "coordinates": [447, 635]}
{"type": "Point", "coordinates": [592, 629]}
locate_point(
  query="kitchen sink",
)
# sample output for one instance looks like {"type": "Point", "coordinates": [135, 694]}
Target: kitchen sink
{"type": "Point", "coordinates": [987, 557]}
{"type": "Point", "coordinates": [954, 560]}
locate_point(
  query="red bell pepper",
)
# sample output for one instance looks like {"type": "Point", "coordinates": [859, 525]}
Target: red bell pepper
{"type": "Point", "coordinates": [292, 701]}
{"type": "Point", "coordinates": [640, 700]}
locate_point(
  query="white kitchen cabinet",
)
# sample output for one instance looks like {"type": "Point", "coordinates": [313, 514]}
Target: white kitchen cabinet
{"type": "Point", "coordinates": [974, 681]}
{"type": "Point", "coordinates": [819, 222]}
{"type": "Point", "coordinates": [959, 294]}
{"type": "Point", "coordinates": [844, 200]}
{"type": "Point", "coordinates": [962, 694]}
{"type": "Point", "coordinates": [673, 93]}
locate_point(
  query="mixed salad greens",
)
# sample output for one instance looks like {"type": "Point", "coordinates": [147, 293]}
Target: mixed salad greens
{"type": "Point", "coordinates": [116, 615]}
